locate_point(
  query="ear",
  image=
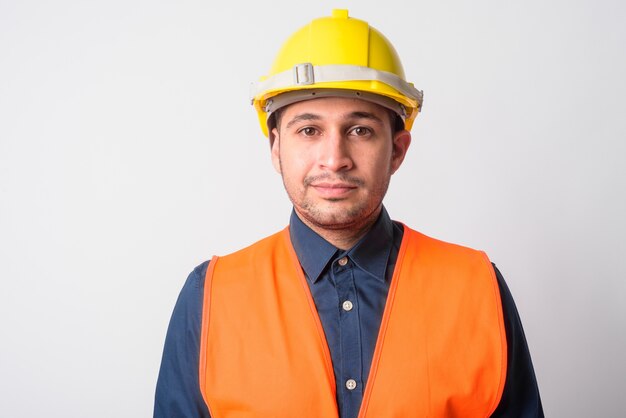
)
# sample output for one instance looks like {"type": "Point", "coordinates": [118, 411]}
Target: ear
{"type": "Point", "coordinates": [401, 143]}
{"type": "Point", "coordinates": [275, 150]}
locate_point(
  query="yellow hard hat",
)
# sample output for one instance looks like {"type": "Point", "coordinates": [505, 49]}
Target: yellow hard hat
{"type": "Point", "coordinates": [336, 56]}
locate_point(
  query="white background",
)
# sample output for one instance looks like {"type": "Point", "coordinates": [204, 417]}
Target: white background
{"type": "Point", "coordinates": [129, 154]}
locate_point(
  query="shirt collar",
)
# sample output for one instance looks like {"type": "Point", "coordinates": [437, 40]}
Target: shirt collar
{"type": "Point", "coordinates": [370, 254]}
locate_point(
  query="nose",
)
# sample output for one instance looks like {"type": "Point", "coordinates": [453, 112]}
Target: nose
{"type": "Point", "coordinates": [334, 154]}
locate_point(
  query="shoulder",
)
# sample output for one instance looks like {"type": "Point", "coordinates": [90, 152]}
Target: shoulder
{"type": "Point", "coordinates": [194, 284]}
{"type": "Point", "coordinates": [261, 246]}
{"type": "Point", "coordinates": [195, 280]}
{"type": "Point", "coordinates": [455, 268]}
{"type": "Point", "coordinates": [189, 301]}
{"type": "Point", "coordinates": [433, 247]}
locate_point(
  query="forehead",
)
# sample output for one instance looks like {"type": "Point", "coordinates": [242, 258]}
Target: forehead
{"type": "Point", "coordinates": [335, 108]}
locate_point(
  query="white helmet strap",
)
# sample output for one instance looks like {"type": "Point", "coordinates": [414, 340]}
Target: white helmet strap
{"type": "Point", "coordinates": [306, 74]}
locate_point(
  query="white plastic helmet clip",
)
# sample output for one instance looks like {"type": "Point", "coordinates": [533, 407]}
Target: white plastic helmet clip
{"type": "Point", "coordinates": [303, 74]}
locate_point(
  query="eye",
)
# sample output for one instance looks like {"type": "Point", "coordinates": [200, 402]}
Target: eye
{"type": "Point", "coordinates": [361, 131]}
{"type": "Point", "coordinates": [308, 131]}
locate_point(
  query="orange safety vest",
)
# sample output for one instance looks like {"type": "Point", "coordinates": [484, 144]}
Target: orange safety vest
{"type": "Point", "coordinates": [441, 348]}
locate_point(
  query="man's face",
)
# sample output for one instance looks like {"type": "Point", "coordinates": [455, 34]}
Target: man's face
{"type": "Point", "coordinates": [336, 156]}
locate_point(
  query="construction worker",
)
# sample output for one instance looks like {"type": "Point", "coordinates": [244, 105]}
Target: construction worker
{"type": "Point", "coordinates": [344, 313]}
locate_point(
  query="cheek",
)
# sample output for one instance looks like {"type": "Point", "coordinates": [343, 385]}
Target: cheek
{"type": "Point", "coordinates": [378, 162]}
{"type": "Point", "coordinates": [294, 168]}
{"type": "Point", "coordinates": [297, 159]}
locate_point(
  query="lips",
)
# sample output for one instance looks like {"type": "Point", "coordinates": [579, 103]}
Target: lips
{"type": "Point", "coordinates": [333, 190]}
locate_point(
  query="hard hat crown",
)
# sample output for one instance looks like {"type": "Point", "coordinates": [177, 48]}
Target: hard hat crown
{"type": "Point", "coordinates": [336, 55]}
{"type": "Point", "coordinates": [338, 40]}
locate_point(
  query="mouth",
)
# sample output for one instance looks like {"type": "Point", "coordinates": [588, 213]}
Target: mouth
{"type": "Point", "coordinates": [333, 190]}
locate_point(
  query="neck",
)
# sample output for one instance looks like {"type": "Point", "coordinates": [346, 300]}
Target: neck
{"type": "Point", "coordinates": [345, 236]}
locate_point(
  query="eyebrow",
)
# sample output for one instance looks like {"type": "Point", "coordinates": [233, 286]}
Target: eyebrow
{"type": "Point", "coordinates": [301, 117]}
{"type": "Point", "coordinates": [365, 115]}
{"type": "Point", "coordinates": [353, 115]}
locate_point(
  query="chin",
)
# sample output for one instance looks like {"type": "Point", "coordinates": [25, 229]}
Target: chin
{"type": "Point", "coordinates": [337, 217]}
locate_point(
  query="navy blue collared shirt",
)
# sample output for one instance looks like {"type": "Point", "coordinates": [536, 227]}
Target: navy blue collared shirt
{"type": "Point", "coordinates": [349, 289]}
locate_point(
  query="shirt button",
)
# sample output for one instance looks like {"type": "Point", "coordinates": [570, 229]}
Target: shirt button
{"type": "Point", "coordinates": [347, 306]}
{"type": "Point", "coordinates": [343, 261]}
{"type": "Point", "coordinates": [351, 384]}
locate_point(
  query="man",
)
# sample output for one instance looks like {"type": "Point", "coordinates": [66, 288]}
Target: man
{"type": "Point", "coordinates": [345, 313]}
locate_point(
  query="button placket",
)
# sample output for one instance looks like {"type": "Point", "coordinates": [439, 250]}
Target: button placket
{"type": "Point", "coordinates": [350, 335]}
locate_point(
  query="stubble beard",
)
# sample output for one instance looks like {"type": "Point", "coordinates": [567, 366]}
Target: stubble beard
{"type": "Point", "coordinates": [321, 214]}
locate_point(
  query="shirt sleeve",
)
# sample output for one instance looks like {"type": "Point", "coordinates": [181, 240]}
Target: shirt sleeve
{"type": "Point", "coordinates": [178, 387]}
{"type": "Point", "coordinates": [521, 393]}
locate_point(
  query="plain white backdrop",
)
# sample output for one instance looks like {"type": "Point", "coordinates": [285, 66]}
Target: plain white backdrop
{"type": "Point", "coordinates": [129, 154]}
